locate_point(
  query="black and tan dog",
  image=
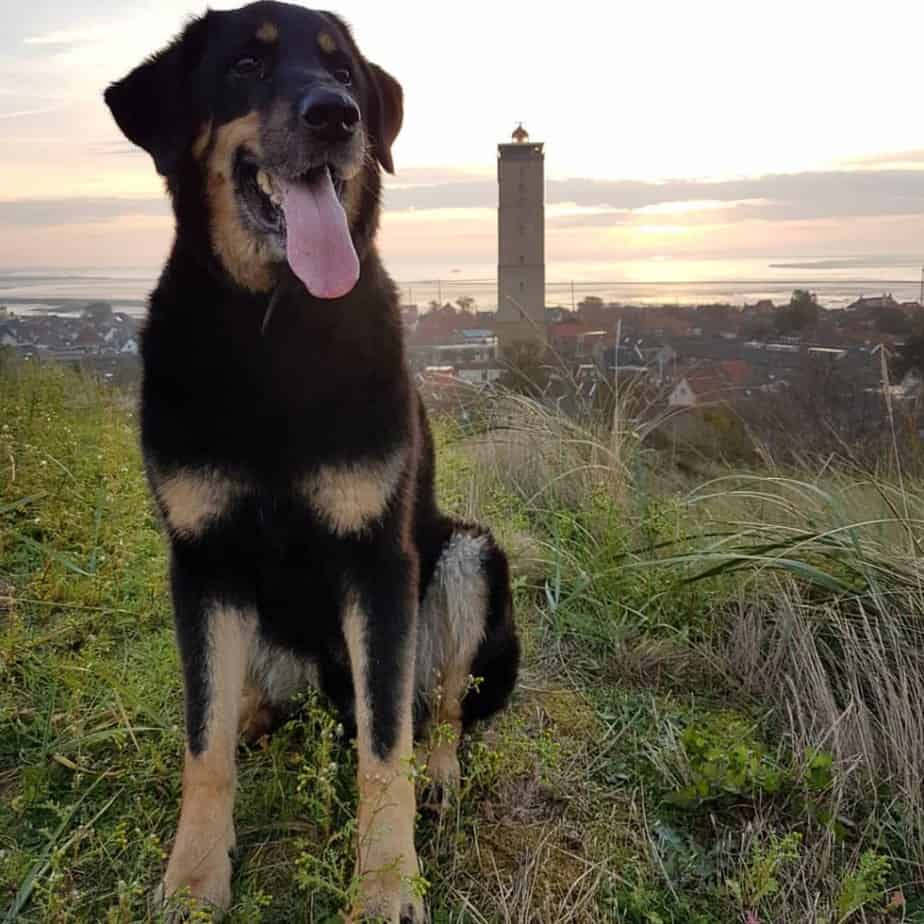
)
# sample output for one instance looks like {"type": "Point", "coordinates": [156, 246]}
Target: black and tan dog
{"type": "Point", "coordinates": [285, 444]}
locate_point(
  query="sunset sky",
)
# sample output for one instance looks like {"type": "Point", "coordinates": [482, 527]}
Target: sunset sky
{"type": "Point", "coordinates": [674, 130]}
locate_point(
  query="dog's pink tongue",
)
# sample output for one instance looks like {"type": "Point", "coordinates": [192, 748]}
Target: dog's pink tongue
{"type": "Point", "coordinates": [318, 244]}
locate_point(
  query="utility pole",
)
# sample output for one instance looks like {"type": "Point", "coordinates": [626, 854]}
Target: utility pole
{"type": "Point", "coordinates": [616, 436]}
{"type": "Point", "coordinates": [572, 293]}
{"type": "Point", "coordinates": [921, 297]}
{"type": "Point", "coordinates": [439, 292]}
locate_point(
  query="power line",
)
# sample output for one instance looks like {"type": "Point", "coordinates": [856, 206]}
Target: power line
{"type": "Point", "coordinates": [673, 283]}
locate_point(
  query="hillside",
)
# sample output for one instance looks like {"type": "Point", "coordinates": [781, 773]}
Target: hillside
{"type": "Point", "coordinates": [720, 719]}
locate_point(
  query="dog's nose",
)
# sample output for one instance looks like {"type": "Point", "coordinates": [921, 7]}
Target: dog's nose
{"type": "Point", "coordinates": [330, 115]}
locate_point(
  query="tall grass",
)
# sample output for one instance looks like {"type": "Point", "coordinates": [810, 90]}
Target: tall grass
{"type": "Point", "coordinates": [814, 578]}
{"type": "Point", "coordinates": [719, 717]}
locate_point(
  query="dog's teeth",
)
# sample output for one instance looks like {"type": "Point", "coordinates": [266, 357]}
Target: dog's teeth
{"type": "Point", "coordinates": [265, 183]}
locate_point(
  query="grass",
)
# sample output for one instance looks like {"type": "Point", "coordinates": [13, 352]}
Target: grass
{"type": "Point", "coordinates": [719, 718]}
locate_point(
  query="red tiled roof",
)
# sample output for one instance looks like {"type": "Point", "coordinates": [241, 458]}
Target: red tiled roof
{"type": "Point", "coordinates": [736, 371]}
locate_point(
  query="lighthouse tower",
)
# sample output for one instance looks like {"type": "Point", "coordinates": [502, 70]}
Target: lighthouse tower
{"type": "Point", "coordinates": [520, 241]}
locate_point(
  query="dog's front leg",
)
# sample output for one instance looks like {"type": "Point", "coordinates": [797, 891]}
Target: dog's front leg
{"type": "Point", "coordinates": [380, 617]}
{"type": "Point", "coordinates": [215, 639]}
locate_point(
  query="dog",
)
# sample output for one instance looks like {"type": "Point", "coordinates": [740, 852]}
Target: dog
{"type": "Point", "coordinates": [286, 446]}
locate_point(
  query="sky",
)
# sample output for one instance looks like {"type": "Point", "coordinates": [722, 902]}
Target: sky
{"type": "Point", "coordinates": [675, 132]}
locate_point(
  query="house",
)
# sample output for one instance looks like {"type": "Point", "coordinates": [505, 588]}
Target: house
{"type": "Point", "coordinates": [572, 339]}
{"type": "Point", "coordinates": [556, 314]}
{"type": "Point", "coordinates": [439, 322]}
{"type": "Point", "coordinates": [469, 355]}
{"type": "Point", "coordinates": [736, 372]}
{"type": "Point", "coordinates": [869, 304]}
{"type": "Point", "coordinates": [694, 390]}
{"type": "Point", "coordinates": [722, 381]}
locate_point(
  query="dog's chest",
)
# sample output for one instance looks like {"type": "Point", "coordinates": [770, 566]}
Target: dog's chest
{"type": "Point", "coordinates": [342, 499]}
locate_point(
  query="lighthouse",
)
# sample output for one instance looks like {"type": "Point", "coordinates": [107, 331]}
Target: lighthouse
{"type": "Point", "coordinates": [520, 241]}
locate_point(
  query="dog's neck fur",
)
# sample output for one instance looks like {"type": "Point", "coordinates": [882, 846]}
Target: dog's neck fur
{"type": "Point", "coordinates": [212, 373]}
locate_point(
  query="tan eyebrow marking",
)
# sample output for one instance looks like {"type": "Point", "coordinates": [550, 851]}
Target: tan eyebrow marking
{"type": "Point", "coordinates": [268, 32]}
{"type": "Point", "coordinates": [326, 43]}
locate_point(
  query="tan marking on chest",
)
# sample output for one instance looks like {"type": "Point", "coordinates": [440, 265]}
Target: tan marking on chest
{"type": "Point", "coordinates": [350, 497]}
{"type": "Point", "coordinates": [191, 499]}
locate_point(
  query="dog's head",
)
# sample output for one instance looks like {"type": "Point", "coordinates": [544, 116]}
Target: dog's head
{"type": "Point", "coordinates": [269, 115]}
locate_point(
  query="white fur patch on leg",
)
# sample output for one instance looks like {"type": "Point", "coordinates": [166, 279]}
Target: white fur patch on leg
{"type": "Point", "coordinates": [454, 610]}
{"type": "Point", "coordinates": [451, 627]}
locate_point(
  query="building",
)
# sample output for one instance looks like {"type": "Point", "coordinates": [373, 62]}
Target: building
{"type": "Point", "coordinates": [520, 242]}
{"type": "Point", "coordinates": [873, 303]}
{"type": "Point", "coordinates": [468, 356]}
{"type": "Point", "coordinates": [722, 381]}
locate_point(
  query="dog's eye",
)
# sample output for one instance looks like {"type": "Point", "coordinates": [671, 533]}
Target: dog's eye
{"type": "Point", "coordinates": [248, 66]}
{"type": "Point", "coordinates": [344, 76]}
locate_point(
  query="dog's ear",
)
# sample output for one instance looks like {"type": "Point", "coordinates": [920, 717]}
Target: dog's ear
{"type": "Point", "coordinates": [153, 105]}
{"type": "Point", "coordinates": [386, 115]}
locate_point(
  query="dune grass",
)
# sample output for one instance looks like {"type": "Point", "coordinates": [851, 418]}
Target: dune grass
{"type": "Point", "coordinates": [719, 718]}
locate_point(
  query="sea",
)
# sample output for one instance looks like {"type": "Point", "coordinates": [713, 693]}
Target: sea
{"type": "Point", "coordinates": [836, 281]}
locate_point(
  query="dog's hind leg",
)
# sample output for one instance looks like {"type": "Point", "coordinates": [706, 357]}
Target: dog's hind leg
{"type": "Point", "coordinates": [215, 641]}
{"type": "Point", "coordinates": [468, 651]}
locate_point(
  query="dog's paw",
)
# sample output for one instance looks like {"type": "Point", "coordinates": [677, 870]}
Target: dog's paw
{"type": "Point", "coordinates": [196, 886]}
{"type": "Point", "coordinates": [182, 906]}
{"type": "Point", "coordinates": [444, 777]}
{"type": "Point", "coordinates": [387, 899]}
{"type": "Point", "coordinates": [413, 911]}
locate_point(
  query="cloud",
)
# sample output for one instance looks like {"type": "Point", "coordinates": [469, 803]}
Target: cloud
{"type": "Point", "coordinates": [80, 36]}
{"type": "Point", "coordinates": [775, 197]}
{"type": "Point", "coordinates": [76, 211]}
{"type": "Point", "coordinates": [21, 113]}
{"type": "Point", "coordinates": [847, 263]}
{"type": "Point", "coordinates": [894, 159]}
{"type": "Point", "coordinates": [580, 203]}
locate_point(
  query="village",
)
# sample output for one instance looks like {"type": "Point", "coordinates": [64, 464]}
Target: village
{"type": "Point", "coordinates": [691, 355]}
{"type": "Point", "coordinates": [694, 355]}
{"type": "Point", "coordinates": [94, 337]}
